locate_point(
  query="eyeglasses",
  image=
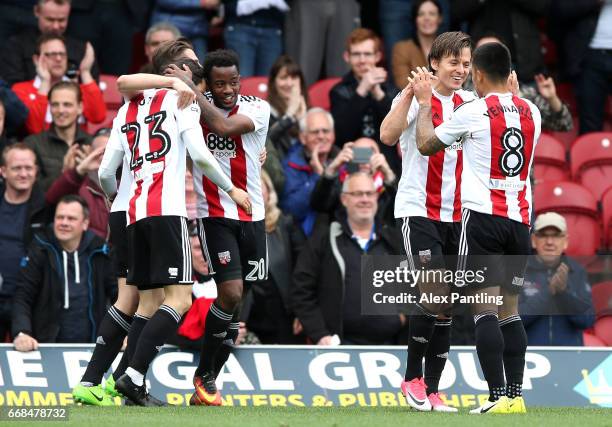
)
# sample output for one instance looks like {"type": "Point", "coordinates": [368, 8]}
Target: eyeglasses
{"type": "Point", "coordinates": [58, 54]}
{"type": "Point", "coordinates": [559, 235]}
{"type": "Point", "coordinates": [358, 194]}
{"type": "Point", "coordinates": [364, 54]}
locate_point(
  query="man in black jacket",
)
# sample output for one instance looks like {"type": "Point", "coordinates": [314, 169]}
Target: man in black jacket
{"type": "Point", "coordinates": [360, 102]}
{"type": "Point", "coordinates": [22, 213]}
{"type": "Point", "coordinates": [326, 293]}
{"type": "Point", "coordinates": [66, 281]}
{"type": "Point", "coordinates": [52, 17]}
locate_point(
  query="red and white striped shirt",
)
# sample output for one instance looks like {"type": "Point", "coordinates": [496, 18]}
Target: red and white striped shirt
{"type": "Point", "coordinates": [152, 134]}
{"type": "Point", "coordinates": [430, 185]}
{"type": "Point", "coordinates": [499, 133]}
{"type": "Point", "coordinates": [238, 157]}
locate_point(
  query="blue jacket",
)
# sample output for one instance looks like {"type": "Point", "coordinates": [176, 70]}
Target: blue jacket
{"type": "Point", "coordinates": [300, 181]}
{"type": "Point", "coordinates": [556, 319]}
{"type": "Point", "coordinates": [187, 15]}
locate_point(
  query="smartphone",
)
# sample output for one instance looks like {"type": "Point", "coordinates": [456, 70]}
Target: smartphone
{"type": "Point", "coordinates": [362, 155]}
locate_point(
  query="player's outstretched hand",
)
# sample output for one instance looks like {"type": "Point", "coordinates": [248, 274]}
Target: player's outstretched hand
{"type": "Point", "coordinates": [513, 84]}
{"type": "Point", "coordinates": [241, 198]}
{"type": "Point", "coordinates": [422, 84]}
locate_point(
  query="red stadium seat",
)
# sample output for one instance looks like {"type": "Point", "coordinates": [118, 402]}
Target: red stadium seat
{"type": "Point", "coordinates": [319, 92]}
{"type": "Point", "coordinates": [606, 213]}
{"type": "Point", "coordinates": [602, 298]}
{"type": "Point", "coordinates": [112, 97]}
{"type": "Point", "coordinates": [591, 160]}
{"type": "Point", "coordinates": [603, 329]}
{"type": "Point", "coordinates": [590, 340]}
{"type": "Point", "coordinates": [550, 160]}
{"type": "Point", "coordinates": [255, 86]}
{"type": "Point", "coordinates": [579, 208]}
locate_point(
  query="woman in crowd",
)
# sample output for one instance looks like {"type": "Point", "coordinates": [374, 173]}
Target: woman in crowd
{"type": "Point", "coordinates": [412, 53]}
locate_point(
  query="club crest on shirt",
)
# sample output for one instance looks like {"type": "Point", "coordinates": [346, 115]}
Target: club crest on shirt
{"type": "Point", "coordinates": [224, 257]}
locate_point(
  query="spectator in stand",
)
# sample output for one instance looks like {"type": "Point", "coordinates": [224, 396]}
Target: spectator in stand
{"type": "Point", "coordinates": [14, 112]}
{"type": "Point", "coordinates": [186, 17]}
{"type": "Point", "coordinates": [360, 102]}
{"type": "Point", "coordinates": [585, 42]}
{"type": "Point", "coordinates": [315, 31]}
{"type": "Point", "coordinates": [412, 53]}
{"type": "Point", "coordinates": [397, 22]}
{"type": "Point", "coordinates": [555, 303]}
{"type": "Point", "coordinates": [51, 146]}
{"type": "Point", "coordinates": [52, 17]}
{"type": "Point", "coordinates": [110, 25]}
{"type": "Point", "coordinates": [80, 176]}
{"type": "Point", "coordinates": [65, 284]}
{"type": "Point", "coordinates": [156, 35]}
{"type": "Point", "coordinates": [288, 98]}
{"type": "Point", "coordinates": [22, 213]}
{"type": "Point", "coordinates": [269, 312]}
{"type": "Point", "coordinates": [516, 22]}
{"type": "Point", "coordinates": [254, 30]}
{"type": "Point", "coordinates": [326, 195]}
{"type": "Point", "coordinates": [304, 166]}
{"type": "Point", "coordinates": [556, 115]}
{"type": "Point", "coordinates": [51, 68]}
{"type": "Point", "coordinates": [326, 293]}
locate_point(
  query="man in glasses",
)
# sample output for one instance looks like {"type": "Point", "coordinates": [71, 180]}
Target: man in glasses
{"type": "Point", "coordinates": [305, 164]}
{"type": "Point", "coordinates": [51, 61]}
{"type": "Point", "coordinates": [555, 303]}
{"type": "Point", "coordinates": [326, 293]}
{"type": "Point", "coordinates": [52, 19]}
{"type": "Point", "coordinates": [361, 100]}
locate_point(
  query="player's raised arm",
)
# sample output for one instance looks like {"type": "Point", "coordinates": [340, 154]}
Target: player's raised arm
{"type": "Point", "coordinates": [426, 140]}
{"type": "Point", "coordinates": [132, 84]}
{"type": "Point", "coordinates": [396, 120]}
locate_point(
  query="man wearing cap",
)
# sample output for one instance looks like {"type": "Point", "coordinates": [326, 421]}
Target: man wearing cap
{"type": "Point", "coordinates": [555, 303]}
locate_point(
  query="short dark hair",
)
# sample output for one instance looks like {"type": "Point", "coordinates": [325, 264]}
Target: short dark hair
{"type": "Point", "coordinates": [494, 60]}
{"type": "Point", "coordinates": [65, 85]}
{"type": "Point", "coordinates": [74, 198]}
{"type": "Point", "coordinates": [451, 44]}
{"type": "Point", "coordinates": [46, 38]}
{"type": "Point", "coordinates": [220, 58]}
{"type": "Point", "coordinates": [169, 53]}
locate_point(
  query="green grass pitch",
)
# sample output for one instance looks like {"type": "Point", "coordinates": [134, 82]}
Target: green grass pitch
{"type": "Point", "coordinates": [321, 417]}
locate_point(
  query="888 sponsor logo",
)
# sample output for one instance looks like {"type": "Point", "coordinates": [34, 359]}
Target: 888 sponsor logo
{"type": "Point", "coordinates": [221, 146]}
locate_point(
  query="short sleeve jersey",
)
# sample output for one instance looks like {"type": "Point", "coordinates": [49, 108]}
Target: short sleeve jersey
{"type": "Point", "coordinates": [430, 186]}
{"type": "Point", "coordinates": [151, 131]}
{"type": "Point", "coordinates": [238, 156]}
{"type": "Point", "coordinates": [499, 134]}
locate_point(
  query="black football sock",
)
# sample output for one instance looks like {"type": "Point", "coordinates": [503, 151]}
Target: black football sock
{"type": "Point", "coordinates": [215, 332]}
{"type": "Point", "coordinates": [228, 343]}
{"type": "Point", "coordinates": [515, 346]}
{"type": "Point", "coordinates": [152, 338]}
{"type": "Point", "coordinates": [113, 329]}
{"type": "Point", "coordinates": [437, 354]}
{"type": "Point", "coordinates": [490, 349]}
{"type": "Point", "coordinates": [136, 328]}
{"type": "Point", "coordinates": [420, 329]}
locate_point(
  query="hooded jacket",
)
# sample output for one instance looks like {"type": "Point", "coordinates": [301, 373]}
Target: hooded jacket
{"type": "Point", "coordinates": [44, 288]}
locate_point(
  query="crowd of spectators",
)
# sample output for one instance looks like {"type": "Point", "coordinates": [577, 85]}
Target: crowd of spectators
{"type": "Point", "coordinates": [330, 183]}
